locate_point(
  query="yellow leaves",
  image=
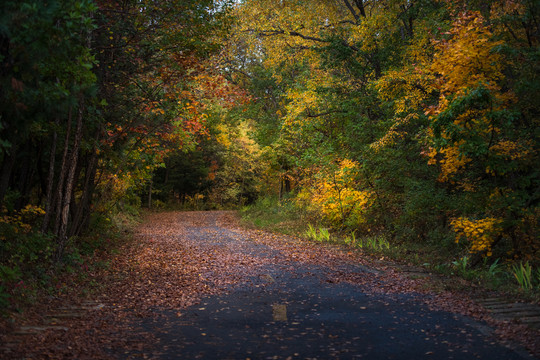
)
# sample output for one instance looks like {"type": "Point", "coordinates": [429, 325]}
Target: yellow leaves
{"type": "Point", "coordinates": [394, 133]}
{"type": "Point", "coordinates": [300, 102]}
{"type": "Point", "coordinates": [432, 155]}
{"type": "Point", "coordinates": [381, 23]}
{"type": "Point", "coordinates": [451, 160]}
{"type": "Point", "coordinates": [467, 58]}
{"type": "Point", "coordinates": [32, 210]}
{"type": "Point", "coordinates": [21, 221]}
{"type": "Point", "coordinates": [512, 150]}
{"type": "Point", "coordinates": [480, 233]}
{"type": "Point", "coordinates": [223, 136]}
{"type": "Point", "coordinates": [463, 62]}
{"type": "Point", "coordinates": [335, 194]}
{"type": "Point", "coordinates": [286, 30]}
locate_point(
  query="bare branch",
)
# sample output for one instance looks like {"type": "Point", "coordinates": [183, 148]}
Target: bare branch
{"type": "Point", "coordinates": [351, 9]}
{"type": "Point", "coordinates": [360, 5]}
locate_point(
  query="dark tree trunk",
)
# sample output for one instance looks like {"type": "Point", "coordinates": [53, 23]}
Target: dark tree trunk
{"type": "Point", "coordinates": [83, 208]}
{"type": "Point", "coordinates": [5, 176]}
{"type": "Point", "coordinates": [50, 181]}
{"type": "Point", "coordinates": [61, 177]}
{"type": "Point", "coordinates": [70, 180]}
{"type": "Point", "coordinates": [150, 195]}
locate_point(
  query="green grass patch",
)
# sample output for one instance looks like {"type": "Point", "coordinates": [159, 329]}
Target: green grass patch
{"type": "Point", "coordinates": [279, 216]}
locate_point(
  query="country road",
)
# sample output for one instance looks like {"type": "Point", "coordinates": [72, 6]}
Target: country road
{"type": "Point", "coordinates": [197, 286]}
{"type": "Point", "coordinates": [287, 300]}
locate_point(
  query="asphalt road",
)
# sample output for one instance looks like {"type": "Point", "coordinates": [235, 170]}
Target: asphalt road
{"type": "Point", "coordinates": [293, 310]}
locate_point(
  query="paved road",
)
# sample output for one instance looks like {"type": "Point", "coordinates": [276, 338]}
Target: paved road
{"type": "Point", "coordinates": [288, 309]}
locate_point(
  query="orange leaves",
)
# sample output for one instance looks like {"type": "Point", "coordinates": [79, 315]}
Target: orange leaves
{"type": "Point", "coordinates": [465, 61]}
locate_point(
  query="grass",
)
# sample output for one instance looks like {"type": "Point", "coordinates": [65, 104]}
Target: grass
{"type": "Point", "coordinates": [274, 215]}
{"type": "Point", "coordinates": [523, 274]}
{"type": "Point", "coordinates": [319, 235]}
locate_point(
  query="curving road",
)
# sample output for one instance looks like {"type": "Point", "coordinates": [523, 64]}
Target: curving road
{"type": "Point", "coordinates": [286, 299]}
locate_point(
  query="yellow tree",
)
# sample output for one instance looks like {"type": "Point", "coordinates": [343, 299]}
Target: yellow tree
{"type": "Point", "coordinates": [471, 135]}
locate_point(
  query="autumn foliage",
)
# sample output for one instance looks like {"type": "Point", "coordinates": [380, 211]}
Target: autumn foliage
{"type": "Point", "coordinates": [431, 101]}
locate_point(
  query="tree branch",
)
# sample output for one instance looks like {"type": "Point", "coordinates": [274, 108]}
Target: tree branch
{"type": "Point", "coordinates": [297, 34]}
{"type": "Point", "coordinates": [292, 33]}
{"type": "Point", "coordinates": [360, 5]}
{"type": "Point", "coordinates": [351, 9]}
{"type": "Point", "coordinates": [310, 115]}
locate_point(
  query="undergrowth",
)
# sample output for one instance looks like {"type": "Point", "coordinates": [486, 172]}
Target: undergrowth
{"type": "Point", "coordinates": [30, 270]}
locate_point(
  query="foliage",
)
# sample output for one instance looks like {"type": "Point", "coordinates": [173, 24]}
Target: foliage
{"type": "Point", "coordinates": [372, 243]}
{"type": "Point", "coordinates": [481, 233]}
{"type": "Point", "coordinates": [403, 118]}
{"type": "Point", "coordinates": [94, 96]}
{"type": "Point", "coordinates": [335, 196]}
{"type": "Point", "coordinates": [523, 274]}
{"type": "Point", "coordinates": [319, 235]}
{"type": "Point", "coordinates": [413, 120]}
{"type": "Point", "coordinates": [461, 264]}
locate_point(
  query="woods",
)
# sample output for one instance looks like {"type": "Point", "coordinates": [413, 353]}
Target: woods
{"type": "Point", "coordinates": [413, 120]}
{"type": "Point", "coordinates": [416, 119]}
{"type": "Point", "coordinates": [94, 96]}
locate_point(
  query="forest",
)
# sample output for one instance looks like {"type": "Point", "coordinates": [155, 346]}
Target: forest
{"type": "Point", "coordinates": [412, 121]}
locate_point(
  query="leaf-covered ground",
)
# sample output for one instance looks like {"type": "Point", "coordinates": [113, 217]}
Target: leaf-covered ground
{"type": "Point", "coordinates": [195, 284]}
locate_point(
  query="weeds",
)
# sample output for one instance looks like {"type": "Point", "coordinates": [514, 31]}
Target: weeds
{"type": "Point", "coordinates": [523, 274]}
{"type": "Point", "coordinates": [461, 264]}
{"type": "Point", "coordinates": [351, 240]}
{"type": "Point", "coordinates": [311, 233]}
{"type": "Point", "coordinates": [377, 243]}
{"type": "Point", "coordinates": [374, 243]}
{"type": "Point", "coordinates": [319, 235]}
{"type": "Point", "coordinates": [286, 217]}
{"type": "Point", "coordinates": [324, 234]}
{"type": "Point", "coordinates": [495, 268]}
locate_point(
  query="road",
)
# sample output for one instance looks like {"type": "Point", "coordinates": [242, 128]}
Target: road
{"type": "Point", "coordinates": [265, 296]}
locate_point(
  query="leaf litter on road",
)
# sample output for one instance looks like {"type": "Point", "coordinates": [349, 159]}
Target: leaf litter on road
{"type": "Point", "coordinates": [177, 258]}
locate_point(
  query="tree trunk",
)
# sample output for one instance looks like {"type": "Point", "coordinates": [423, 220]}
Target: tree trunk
{"type": "Point", "coordinates": [79, 218]}
{"type": "Point", "coordinates": [61, 177]}
{"type": "Point", "coordinates": [150, 195]}
{"type": "Point", "coordinates": [7, 167]}
{"type": "Point", "coordinates": [50, 181]}
{"type": "Point", "coordinates": [280, 188]}
{"type": "Point", "coordinates": [66, 203]}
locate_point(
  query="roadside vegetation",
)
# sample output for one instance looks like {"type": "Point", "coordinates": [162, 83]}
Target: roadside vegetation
{"type": "Point", "coordinates": [451, 260]}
